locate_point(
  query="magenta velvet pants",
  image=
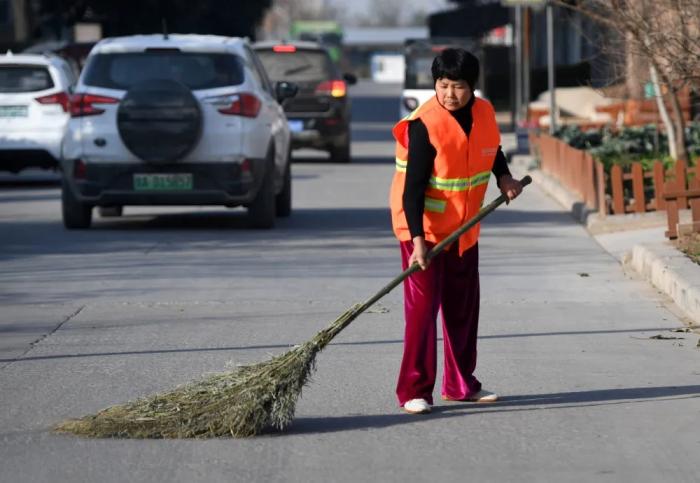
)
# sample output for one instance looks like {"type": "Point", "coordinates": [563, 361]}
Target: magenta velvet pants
{"type": "Point", "coordinates": [451, 285]}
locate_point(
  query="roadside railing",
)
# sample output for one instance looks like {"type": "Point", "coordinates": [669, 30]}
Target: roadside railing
{"type": "Point", "coordinates": [629, 190]}
{"type": "Point", "coordinates": [574, 168]}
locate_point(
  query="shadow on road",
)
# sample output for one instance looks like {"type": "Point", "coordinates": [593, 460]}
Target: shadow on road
{"type": "Point", "coordinates": [526, 402]}
{"type": "Point", "coordinates": [28, 183]}
{"type": "Point", "coordinates": [375, 134]}
{"type": "Point", "coordinates": [373, 160]}
{"type": "Point", "coordinates": [17, 328]}
{"type": "Point", "coordinates": [32, 195]}
{"type": "Point", "coordinates": [376, 108]}
{"type": "Point", "coordinates": [356, 160]}
{"type": "Point", "coordinates": [130, 232]}
{"type": "Point", "coordinates": [142, 231]}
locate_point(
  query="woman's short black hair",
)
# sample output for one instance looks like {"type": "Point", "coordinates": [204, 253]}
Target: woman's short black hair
{"type": "Point", "coordinates": [456, 64]}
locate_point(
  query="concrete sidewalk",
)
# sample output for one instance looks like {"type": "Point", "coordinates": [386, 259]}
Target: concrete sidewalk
{"type": "Point", "coordinates": [637, 241]}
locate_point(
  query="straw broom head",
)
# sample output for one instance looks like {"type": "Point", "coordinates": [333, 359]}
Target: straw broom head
{"type": "Point", "coordinates": [239, 403]}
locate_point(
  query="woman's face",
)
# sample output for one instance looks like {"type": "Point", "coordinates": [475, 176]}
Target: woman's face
{"type": "Point", "coordinates": [452, 94]}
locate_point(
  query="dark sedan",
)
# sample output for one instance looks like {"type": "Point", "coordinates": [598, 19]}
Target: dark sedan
{"type": "Point", "coordinates": [319, 115]}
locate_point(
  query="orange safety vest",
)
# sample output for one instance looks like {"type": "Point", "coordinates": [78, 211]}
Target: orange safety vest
{"type": "Point", "coordinates": [460, 175]}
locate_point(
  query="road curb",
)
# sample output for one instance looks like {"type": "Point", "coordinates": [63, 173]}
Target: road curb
{"type": "Point", "coordinates": [661, 264]}
{"type": "Point", "coordinates": [671, 272]}
{"type": "Point", "coordinates": [524, 164]}
{"type": "Point", "coordinates": [579, 211]}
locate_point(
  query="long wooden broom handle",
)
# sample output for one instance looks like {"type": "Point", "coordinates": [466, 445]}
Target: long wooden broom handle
{"type": "Point", "coordinates": [439, 247]}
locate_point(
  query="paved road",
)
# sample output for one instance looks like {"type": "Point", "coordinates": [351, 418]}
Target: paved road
{"type": "Point", "coordinates": [164, 296]}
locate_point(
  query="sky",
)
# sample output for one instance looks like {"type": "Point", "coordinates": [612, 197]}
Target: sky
{"type": "Point", "coordinates": [355, 8]}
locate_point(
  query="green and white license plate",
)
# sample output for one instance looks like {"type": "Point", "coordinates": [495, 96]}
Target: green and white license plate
{"type": "Point", "coordinates": [163, 182]}
{"type": "Point", "coordinates": [13, 111]}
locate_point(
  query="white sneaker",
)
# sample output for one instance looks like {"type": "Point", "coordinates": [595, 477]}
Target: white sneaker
{"type": "Point", "coordinates": [417, 406]}
{"type": "Point", "coordinates": [484, 396]}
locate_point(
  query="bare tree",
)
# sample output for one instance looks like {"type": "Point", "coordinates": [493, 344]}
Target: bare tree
{"type": "Point", "coordinates": [665, 33]}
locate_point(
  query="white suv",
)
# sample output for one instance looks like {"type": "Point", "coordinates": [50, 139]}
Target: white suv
{"type": "Point", "coordinates": [176, 120]}
{"type": "Point", "coordinates": [34, 92]}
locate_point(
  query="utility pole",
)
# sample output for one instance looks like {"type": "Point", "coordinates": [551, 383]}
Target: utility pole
{"type": "Point", "coordinates": [518, 64]}
{"type": "Point", "coordinates": [526, 60]}
{"type": "Point", "coordinates": [20, 20]}
{"type": "Point", "coordinates": [522, 55]}
{"type": "Point", "coordinates": [550, 69]}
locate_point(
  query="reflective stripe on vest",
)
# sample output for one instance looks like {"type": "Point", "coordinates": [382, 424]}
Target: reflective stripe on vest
{"type": "Point", "coordinates": [438, 206]}
{"type": "Point", "coordinates": [450, 184]}
{"type": "Point", "coordinates": [401, 165]}
{"type": "Point", "coordinates": [459, 184]}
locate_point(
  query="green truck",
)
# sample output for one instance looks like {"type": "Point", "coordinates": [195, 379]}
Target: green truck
{"type": "Point", "coordinates": [325, 32]}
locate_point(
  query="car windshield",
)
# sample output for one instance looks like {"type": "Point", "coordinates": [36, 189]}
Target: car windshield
{"type": "Point", "coordinates": [195, 70]}
{"type": "Point", "coordinates": [419, 58]}
{"type": "Point", "coordinates": [299, 66]}
{"type": "Point", "coordinates": [418, 73]}
{"type": "Point", "coordinates": [24, 78]}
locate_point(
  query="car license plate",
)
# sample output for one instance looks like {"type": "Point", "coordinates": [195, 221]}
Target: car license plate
{"type": "Point", "coordinates": [13, 111]}
{"type": "Point", "coordinates": [296, 125]}
{"type": "Point", "coordinates": [163, 182]}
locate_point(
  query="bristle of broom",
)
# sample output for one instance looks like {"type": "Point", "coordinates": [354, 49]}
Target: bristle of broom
{"type": "Point", "coordinates": [239, 403]}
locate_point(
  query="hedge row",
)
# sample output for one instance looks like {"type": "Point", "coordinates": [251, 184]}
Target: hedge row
{"type": "Point", "coordinates": [645, 144]}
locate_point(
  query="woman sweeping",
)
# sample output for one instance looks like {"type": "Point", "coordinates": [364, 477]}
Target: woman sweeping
{"type": "Point", "coordinates": [445, 152]}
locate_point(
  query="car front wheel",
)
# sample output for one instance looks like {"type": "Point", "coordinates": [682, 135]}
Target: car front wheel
{"type": "Point", "coordinates": [76, 215]}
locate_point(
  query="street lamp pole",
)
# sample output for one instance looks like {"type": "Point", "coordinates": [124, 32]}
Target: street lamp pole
{"type": "Point", "coordinates": [518, 64]}
{"type": "Point", "coordinates": [526, 61]}
{"type": "Point", "coordinates": [550, 69]}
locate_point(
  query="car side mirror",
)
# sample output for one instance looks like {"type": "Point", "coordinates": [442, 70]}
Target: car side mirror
{"type": "Point", "coordinates": [351, 79]}
{"type": "Point", "coordinates": [285, 90]}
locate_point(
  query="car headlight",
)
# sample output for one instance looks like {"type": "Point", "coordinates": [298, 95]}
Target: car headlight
{"type": "Point", "coordinates": [410, 103]}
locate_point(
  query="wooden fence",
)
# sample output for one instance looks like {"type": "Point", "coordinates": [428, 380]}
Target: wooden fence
{"type": "Point", "coordinates": [630, 190]}
{"type": "Point", "coordinates": [574, 168]}
{"type": "Point", "coordinates": [639, 191]}
{"type": "Point", "coordinates": [678, 196]}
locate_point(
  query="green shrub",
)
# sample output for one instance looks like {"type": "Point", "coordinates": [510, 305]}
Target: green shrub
{"type": "Point", "coordinates": [575, 137]}
{"type": "Point", "coordinates": [644, 144]}
{"type": "Point", "coordinates": [692, 135]}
